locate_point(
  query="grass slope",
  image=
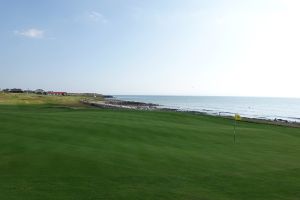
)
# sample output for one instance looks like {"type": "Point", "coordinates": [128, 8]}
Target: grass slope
{"type": "Point", "coordinates": [34, 99]}
{"type": "Point", "coordinates": [64, 153]}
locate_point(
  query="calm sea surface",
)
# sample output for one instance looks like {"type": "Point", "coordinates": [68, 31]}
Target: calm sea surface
{"type": "Point", "coordinates": [254, 107]}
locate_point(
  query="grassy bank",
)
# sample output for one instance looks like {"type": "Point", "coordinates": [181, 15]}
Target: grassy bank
{"type": "Point", "coordinates": [63, 153]}
{"type": "Point", "coordinates": [34, 99]}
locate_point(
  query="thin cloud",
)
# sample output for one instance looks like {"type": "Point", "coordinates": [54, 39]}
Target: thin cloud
{"type": "Point", "coordinates": [31, 33]}
{"type": "Point", "coordinates": [97, 17]}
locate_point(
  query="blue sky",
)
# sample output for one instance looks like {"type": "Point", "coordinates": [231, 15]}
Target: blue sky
{"type": "Point", "coordinates": [159, 47]}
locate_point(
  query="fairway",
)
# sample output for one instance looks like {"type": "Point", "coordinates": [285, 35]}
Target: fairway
{"type": "Point", "coordinates": [62, 153]}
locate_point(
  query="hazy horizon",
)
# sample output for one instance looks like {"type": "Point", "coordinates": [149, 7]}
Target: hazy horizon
{"type": "Point", "coordinates": [172, 47]}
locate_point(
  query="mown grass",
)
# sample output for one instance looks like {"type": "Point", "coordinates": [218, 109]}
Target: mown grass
{"type": "Point", "coordinates": [63, 153]}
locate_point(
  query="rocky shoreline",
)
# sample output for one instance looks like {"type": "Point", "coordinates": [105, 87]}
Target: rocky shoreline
{"type": "Point", "coordinates": [112, 103]}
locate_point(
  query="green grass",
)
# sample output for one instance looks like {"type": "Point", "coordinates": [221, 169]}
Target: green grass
{"type": "Point", "coordinates": [34, 99]}
{"type": "Point", "coordinates": [63, 153]}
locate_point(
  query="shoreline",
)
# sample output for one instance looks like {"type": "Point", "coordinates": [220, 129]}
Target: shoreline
{"type": "Point", "coordinates": [113, 103]}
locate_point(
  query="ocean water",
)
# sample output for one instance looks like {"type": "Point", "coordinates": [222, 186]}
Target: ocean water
{"type": "Point", "coordinates": [253, 107]}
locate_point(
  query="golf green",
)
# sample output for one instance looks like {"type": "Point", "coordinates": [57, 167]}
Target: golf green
{"type": "Point", "coordinates": [62, 153]}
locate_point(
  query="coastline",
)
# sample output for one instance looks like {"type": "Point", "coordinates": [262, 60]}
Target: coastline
{"type": "Point", "coordinates": [111, 102]}
{"type": "Point", "coordinates": [114, 103]}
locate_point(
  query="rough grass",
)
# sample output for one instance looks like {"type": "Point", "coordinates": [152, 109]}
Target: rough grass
{"type": "Point", "coordinates": [34, 99]}
{"type": "Point", "coordinates": [62, 153]}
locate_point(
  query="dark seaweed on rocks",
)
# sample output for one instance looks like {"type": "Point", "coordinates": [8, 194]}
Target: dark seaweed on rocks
{"type": "Point", "coordinates": [131, 103]}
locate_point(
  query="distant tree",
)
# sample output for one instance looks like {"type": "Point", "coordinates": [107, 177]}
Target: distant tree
{"type": "Point", "coordinates": [16, 90]}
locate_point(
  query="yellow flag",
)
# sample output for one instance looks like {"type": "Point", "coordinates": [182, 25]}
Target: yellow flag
{"type": "Point", "coordinates": [237, 117]}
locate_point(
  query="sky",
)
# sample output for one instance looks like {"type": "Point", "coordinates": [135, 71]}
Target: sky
{"type": "Point", "coordinates": [152, 47]}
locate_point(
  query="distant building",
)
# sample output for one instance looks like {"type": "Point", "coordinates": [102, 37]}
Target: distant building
{"type": "Point", "coordinates": [57, 93]}
{"type": "Point", "coordinates": [40, 91]}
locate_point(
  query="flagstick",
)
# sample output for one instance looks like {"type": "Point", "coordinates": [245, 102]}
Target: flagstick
{"type": "Point", "coordinates": [237, 117]}
{"type": "Point", "coordinates": [234, 132]}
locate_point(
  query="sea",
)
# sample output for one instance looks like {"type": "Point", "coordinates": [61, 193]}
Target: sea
{"type": "Point", "coordinates": [251, 107]}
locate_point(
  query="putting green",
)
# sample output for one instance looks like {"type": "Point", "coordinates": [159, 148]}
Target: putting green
{"type": "Point", "coordinates": [62, 153]}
